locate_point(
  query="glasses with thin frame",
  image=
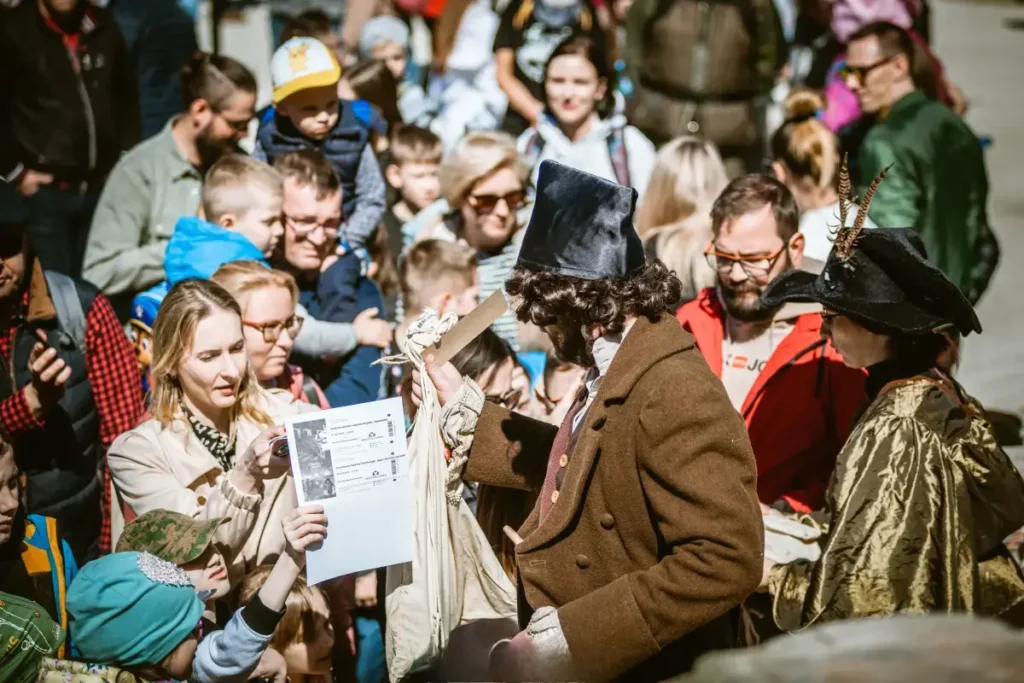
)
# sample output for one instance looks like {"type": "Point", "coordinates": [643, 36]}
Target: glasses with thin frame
{"type": "Point", "coordinates": [755, 266]}
{"type": "Point", "coordinates": [271, 331]}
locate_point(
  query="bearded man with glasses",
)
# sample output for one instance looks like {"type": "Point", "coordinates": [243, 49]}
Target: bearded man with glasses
{"type": "Point", "coordinates": [790, 386]}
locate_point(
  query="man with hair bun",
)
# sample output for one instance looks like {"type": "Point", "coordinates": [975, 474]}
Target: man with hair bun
{"type": "Point", "coordinates": [160, 180]}
{"type": "Point", "coordinates": [647, 533]}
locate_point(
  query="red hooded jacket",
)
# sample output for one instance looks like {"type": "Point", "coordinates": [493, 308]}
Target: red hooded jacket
{"type": "Point", "coordinates": [800, 410]}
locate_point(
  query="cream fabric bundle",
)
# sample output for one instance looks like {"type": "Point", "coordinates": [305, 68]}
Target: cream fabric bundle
{"type": "Point", "coordinates": [454, 577]}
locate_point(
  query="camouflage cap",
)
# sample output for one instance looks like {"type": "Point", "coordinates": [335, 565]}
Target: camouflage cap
{"type": "Point", "coordinates": [171, 536]}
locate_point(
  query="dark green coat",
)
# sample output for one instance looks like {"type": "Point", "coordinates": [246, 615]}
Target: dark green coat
{"type": "Point", "coordinates": [937, 185]}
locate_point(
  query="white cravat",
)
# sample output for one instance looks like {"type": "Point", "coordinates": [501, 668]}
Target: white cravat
{"type": "Point", "coordinates": [604, 350]}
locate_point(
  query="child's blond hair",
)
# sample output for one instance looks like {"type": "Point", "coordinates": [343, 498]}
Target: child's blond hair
{"type": "Point", "coordinates": [232, 183]}
{"type": "Point", "coordinates": [415, 145]}
{"type": "Point", "coordinates": [432, 267]}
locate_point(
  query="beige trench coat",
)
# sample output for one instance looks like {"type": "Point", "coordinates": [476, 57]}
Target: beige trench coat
{"type": "Point", "coordinates": [157, 467]}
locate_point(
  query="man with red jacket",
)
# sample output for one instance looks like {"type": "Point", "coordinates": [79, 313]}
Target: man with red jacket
{"type": "Point", "coordinates": [795, 394]}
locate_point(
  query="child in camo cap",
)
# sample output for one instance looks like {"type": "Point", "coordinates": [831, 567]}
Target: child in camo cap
{"type": "Point", "coordinates": [186, 542]}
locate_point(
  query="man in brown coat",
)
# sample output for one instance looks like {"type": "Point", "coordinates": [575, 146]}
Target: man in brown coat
{"type": "Point", "coordinates": [647, 532]}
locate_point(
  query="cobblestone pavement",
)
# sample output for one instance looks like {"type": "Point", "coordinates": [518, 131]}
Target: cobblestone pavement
{"type": "Point", "coordinates": [984, 55]}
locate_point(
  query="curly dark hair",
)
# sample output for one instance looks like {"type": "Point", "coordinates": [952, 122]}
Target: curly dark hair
{"type": "Point", "coordinates": [544, 298]}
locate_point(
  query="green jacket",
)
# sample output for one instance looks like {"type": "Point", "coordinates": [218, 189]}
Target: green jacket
{"type": "Point", "coordinates": [937, 185]}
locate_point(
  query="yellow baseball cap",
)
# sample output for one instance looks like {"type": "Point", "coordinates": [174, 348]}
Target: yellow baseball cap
{"type": "Point", "coordinates": [302, 63]}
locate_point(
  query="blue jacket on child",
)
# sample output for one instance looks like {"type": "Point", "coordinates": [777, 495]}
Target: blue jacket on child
{"type": "Point", "coordinates": [342, 292]}
{"type": "Point", "coordinates": [197, 248]}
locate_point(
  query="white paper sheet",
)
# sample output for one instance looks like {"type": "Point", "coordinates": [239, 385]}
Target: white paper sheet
{"type": "Point", "coordinates": [352, 461]}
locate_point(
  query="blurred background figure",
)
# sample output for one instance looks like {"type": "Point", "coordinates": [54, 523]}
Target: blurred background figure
{"type": "Point", "coordinates": [674, 218]}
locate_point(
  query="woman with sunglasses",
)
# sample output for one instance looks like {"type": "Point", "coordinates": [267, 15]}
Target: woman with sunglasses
{"type": "Point", "coordinates": [206, 450]}
{"type": "Point", "coordinates": [922, 495]}
{"type": "Point", "coordinates": [267, 298]}
{"type": "Point", "coordinates": [482, 181]}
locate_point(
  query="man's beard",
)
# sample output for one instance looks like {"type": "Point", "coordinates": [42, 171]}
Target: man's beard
{"type": "Point", "coordinates": [743, 307]}
{"type": "Point", "coordinates": [571, 346]}
{"type": "Point", "coordinates": [209, 149]}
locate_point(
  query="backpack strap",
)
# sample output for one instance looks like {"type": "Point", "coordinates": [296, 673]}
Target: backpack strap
{"type": "Point", "coordinates": [65, 299]}
{"type": "Point", "coordinates": [309, 390]}
{"type": "Point", "coordinates": [620, 156]}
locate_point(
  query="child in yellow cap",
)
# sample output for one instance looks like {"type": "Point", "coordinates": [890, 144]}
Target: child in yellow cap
{"type": "Point", "coordinates": [308, 114]}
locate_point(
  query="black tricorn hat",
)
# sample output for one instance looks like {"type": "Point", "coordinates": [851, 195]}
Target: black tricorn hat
{"type": "Point", "coordinates": [582, 226]}
{"type": "Point", "coordinates": [886, 280]}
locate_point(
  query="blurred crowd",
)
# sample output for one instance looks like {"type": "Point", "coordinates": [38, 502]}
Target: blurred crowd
{"type": "Point", "coordinates": [168, 298]}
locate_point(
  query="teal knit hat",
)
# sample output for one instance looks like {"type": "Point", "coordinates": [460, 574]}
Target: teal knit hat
{"type": "Point", "coordinates": [131, 609]}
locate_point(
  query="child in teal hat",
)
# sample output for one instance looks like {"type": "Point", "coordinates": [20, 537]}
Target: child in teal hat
{"type": "Point", "coordinates": [141, 613]}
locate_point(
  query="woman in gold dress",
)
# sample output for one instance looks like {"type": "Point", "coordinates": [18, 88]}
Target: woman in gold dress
{"type": "Point", "coordinates": [922, 495]}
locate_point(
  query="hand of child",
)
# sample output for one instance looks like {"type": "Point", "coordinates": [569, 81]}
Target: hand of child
{"type": "Point", "coordinates": [304, 527]}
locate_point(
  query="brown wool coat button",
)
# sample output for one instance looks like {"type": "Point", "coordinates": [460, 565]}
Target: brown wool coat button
{"type": "Point", "coordinates": [201, 500]}
{"type": "Point", "coordinates": [563, 461]}
{"type": "Point", "coordinates": [607, 521]}
{"type": "Point", "coordinates": [582, 561]}
{"type": "Point", "coordinates": [554, 496]}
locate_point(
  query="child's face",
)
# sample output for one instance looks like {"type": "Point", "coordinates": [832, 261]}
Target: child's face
{"type": "Point", "coordinates": [419, 184]}
{"type": "Point", "coordinates": [261, 224]}
{"type": "Point", "coordinates": [314, 654]}
{"type": "Point", "coordinates": [394, 58]}
{"type": "Point", "coordinates": [314, 111]}
{"type": "Point", "coordinates": [209, 572]}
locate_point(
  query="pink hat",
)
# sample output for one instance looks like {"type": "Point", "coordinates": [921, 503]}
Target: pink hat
{"type": "Point", "coordinates": [850, 15]}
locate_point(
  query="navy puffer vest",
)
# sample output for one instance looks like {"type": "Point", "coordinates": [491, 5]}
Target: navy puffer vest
{"type": "Point", "coordinates": [62, 460]}
{"type": "Point", "coordinates": [343, 147]}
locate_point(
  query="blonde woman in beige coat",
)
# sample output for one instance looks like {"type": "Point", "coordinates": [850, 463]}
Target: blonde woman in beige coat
{"type": "Point", "coordinates": [204, 451]}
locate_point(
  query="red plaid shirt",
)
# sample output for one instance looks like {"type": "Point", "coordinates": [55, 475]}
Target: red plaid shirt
{"type": "Point", "coordinates": [114, 377]}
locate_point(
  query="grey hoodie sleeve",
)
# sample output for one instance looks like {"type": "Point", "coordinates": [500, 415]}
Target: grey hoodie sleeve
{"type": "Point", "coordinates": [319, 338]}
{"type": "Point", "coordinates": [232, 654]}
{"type": "Point", "coordinates": [369, 201]}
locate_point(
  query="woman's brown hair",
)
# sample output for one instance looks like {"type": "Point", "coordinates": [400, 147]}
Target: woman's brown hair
{"type": "Point", "coordinates": [188, 303]}
{"type": "Point", "coordinates": [371, 80]}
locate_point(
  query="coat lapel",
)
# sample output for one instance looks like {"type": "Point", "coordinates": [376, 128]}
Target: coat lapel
{"type": "Point", "coordinates": [646, 345]}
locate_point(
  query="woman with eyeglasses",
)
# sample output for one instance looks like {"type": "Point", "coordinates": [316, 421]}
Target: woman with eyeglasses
{"type": "Point", "coordinates": [206, 450]}
{"type": "Point", "coordinates": [922, 495]}
{"type": "Point", "coordinates": [482, 181]}
{"type": "Point", "coordinates": [267, 298]}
